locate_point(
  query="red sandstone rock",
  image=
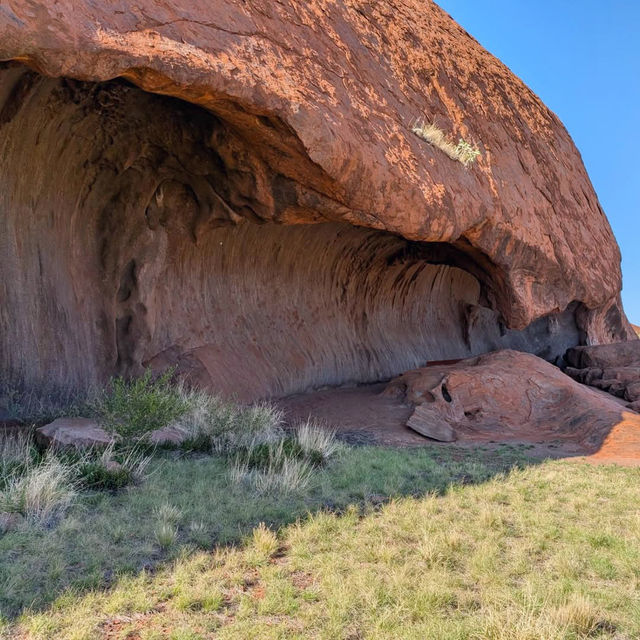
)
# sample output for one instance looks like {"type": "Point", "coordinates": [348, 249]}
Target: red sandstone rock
{"type": "Point", "coordinates": [431, 422]}
{"type": "Point", "coordinates": [511, 395]}
{"type": "Point", "coordinates": [139, 230]}
{"type": "Point", "coordinates": [609, 356]}
{"type": "Point", "coordinates": [614, 368]}
{"type": "Point", "coordinates": [172, 435]}
{"type": "Point", "coordinates": [79, 433]}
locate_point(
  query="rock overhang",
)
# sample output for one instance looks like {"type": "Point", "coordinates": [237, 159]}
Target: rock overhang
{"type": "Point", "coordinates": [319, 104]}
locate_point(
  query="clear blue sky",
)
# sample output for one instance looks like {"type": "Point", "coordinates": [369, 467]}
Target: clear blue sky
{"type": "Point", "coordinates": [582, 57]}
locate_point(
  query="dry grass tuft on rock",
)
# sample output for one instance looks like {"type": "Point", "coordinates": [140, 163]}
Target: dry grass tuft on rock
{"type": "Point", "coordinates": [463, 152]}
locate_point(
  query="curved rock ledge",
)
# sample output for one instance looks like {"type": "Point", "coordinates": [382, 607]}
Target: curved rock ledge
{"type": "Point", "coordinates": [270, 223]}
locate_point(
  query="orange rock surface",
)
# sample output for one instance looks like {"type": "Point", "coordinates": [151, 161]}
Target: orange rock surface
{"type": "Point", "coordinates": [253, 207]}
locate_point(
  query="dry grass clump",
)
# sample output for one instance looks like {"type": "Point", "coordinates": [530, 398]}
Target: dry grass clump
{"type": "Point", "coordinates": [41, 492]}
{"type": "Point", "coordinates": [42, 486]}
{"type": "Point", "coordinates": [285, 464]}
{"type": "Point", "coordinates": [282, 474]}
{"type": "Point", "coordinates": [223, 427]}
{"type": "Point", "coordinates": [463, 152]}
{"type": "Point", "coordinates": [166, 530]}
{"type": "Point", "coordinates": [315, 439]}
{"type": "Point", "coordinates": [262, 545]}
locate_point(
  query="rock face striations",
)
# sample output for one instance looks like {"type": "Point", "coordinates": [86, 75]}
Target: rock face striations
{"type": "Point", "coordinates": [234, 188]}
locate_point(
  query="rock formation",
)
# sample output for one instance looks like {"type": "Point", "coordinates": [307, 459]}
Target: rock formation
{"type": "Point", "coordinates": [235, 189]}
{"type": "Point", "coordinates": [509, 395]}
{"type": "Point", "coordinates": [76, 433]}
{"type": "Point", "coordinates": [614, 368]}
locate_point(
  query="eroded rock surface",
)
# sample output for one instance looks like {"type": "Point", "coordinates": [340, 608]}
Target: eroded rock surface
{"type": "Point", "coordinates": [77, 433]}
{"type": "Point", "coordinates": [234, 189]}
{"type": "Point", "coordinates": [509, 395]}
{"type": "Point", "coordinates": [612, 367]}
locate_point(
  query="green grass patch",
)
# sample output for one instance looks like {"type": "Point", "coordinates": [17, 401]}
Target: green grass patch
{"type": "Point", "coordinates": [387, 544]}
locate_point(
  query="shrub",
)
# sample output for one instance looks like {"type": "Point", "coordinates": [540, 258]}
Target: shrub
{"type": "Point", "coordinates": [463, 152]}
{"type": "Point", "coordinates": [108, 471]}
{"type": "Point", "coordinates": [132, 408]}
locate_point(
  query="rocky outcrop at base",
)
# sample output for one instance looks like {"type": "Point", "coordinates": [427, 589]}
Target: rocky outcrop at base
{"type": "Point", "coordinates": [509, 395]}
{"type": "Point", "coordinates": [614, 368]}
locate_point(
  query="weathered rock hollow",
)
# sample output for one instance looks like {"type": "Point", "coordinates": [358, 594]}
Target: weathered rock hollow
{"type": "Point", "coordinates": [211, 233]}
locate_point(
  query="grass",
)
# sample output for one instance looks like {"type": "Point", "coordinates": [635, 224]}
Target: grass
{"type": "Point", "coordinates": [254, 530]}
{"type": "Point", "coordinates": [195, 496]}
{"type": "Point", "coordinates": [264, 455]}
{"type": "Point", "coordinates": [40, 493]}
{"type": "Point", "coordinates": [41, 486]}
{"type": "Point", "coordinates": [464, 152]}
{"type": "Point", "coordinates": [386, 544]}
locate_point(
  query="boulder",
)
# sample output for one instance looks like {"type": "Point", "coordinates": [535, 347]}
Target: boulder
{"type": "Point", "coordinates": [429, 421]}
{"type": "Point", "coordinates": [240, 193]}
{"type": "Point", "coordinates": [634, 406]}
{"type": "Point", "coordinates": [632, 391]}
{"type": "Point", "coordinates": [511, 395]}
{"type": "Point", "coordinates": [79, 433]}
{"type": "Point", "coordinates": [169, 435]}
{"type": "Point", "coordinates": [612, 367]}
{"type": "Point", "coordinates": [606, 356]}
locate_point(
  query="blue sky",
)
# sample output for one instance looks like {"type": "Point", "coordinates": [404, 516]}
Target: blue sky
{"type": "Point", "coordinates": [582, 57]}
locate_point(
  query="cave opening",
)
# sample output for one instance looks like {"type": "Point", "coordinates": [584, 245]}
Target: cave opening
{"type": "Point", "coordinates": [143, 231]}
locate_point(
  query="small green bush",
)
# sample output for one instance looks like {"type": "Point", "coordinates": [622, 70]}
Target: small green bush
{"type": "Point", "coordinates": [132, 408]}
